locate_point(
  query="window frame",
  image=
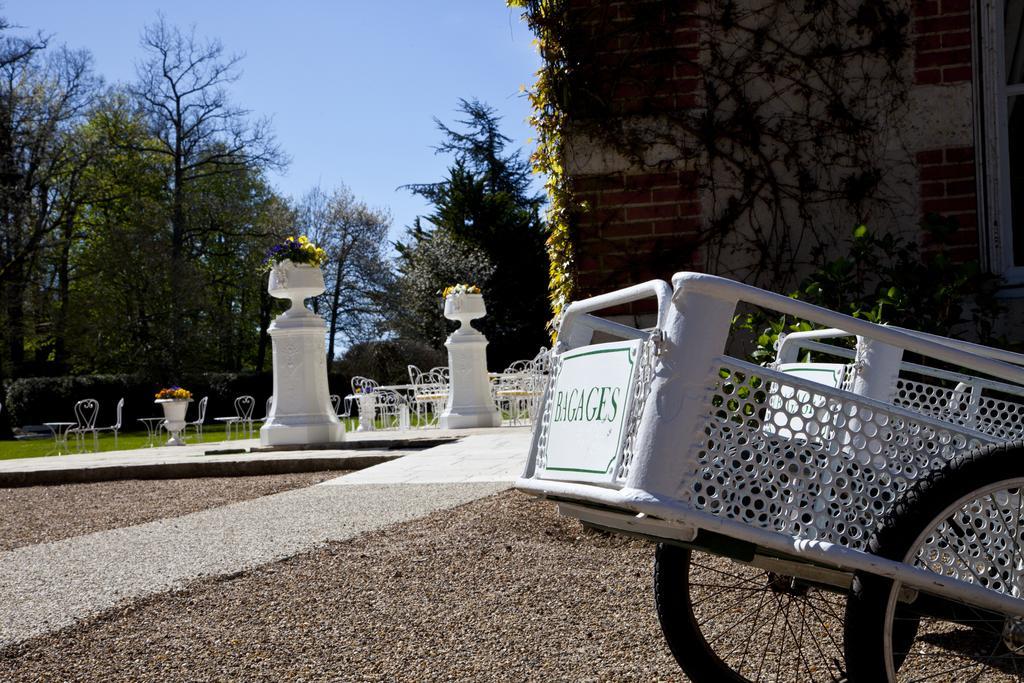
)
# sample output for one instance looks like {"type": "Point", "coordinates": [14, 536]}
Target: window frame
{"type": "Point", "coordinates": [995, 212]}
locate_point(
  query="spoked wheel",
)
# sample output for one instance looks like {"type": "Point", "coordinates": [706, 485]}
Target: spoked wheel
{"type": "Point", "coordinates": [726, 621]}
{"type": "Point", "coordinates": [965, 521]}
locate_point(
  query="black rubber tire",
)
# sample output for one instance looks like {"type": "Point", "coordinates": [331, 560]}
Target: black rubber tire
{"type": "Point", "coordinates": [688, 639]}
{"type": "Point", "coordinates": [916, 511]}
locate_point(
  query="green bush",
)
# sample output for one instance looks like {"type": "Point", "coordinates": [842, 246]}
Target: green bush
{"type": "Point", "coordinates": [886, 279]}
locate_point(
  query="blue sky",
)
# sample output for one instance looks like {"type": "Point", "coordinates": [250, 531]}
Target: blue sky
{"type": "Point", "coordinates": [352, 86]}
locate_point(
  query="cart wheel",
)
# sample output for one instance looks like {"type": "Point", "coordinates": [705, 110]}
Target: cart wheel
{"type": "Point", "coordinates": [726, 621]}
{"type": "Point", "coordinates": [965, 520]}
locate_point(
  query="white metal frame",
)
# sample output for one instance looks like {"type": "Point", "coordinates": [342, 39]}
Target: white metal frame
{"type": "Point", "coordinates": [694, 321]}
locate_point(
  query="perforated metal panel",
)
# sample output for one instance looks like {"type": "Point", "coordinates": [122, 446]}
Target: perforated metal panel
{"type": "Point", "coordinates": [544, 421]}
{"type": "Point", "coordinates": [641, 389]}
{"type": "Point", "coordinates": [973, 407]}
{"type": "Point", "coordinates": [806, 460]}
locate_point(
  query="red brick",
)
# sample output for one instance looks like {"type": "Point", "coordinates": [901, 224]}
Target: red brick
{"type": "Point", "coordinates": [688, 101]}
{"type": "Point", "coordinates": [677, 226]}
{"type": "Point", "coordinates": [605, 215]}
{"type": "Point", "coordinates": [956, 74]}
{"type": "Point", "coordinates": [957, 39]}
{"type": "Point", "coordinates": [951, 205]}
{"type": "Point", "coordinates": [928, 76]}
{"type": "Point", "coordinates": [940, 24]}
{"type": "Point", "coordinates": [959, 154]}
{"type": "Point", "coordinates": [931, 156]}
{"type": "Point", "coordinates": [686, 37]}
{"type": "Point", "coordinates": [582, 183]}
{"type": "Point", "coordinates": [926, 8]}
{"type": "Point", "coordinates": [947, 171]}
{"type": "Point", "coordinates": [935, 189]}
{"type": "Point", "coordinates": [642, 213]}
{"type": "Point", "coordinates": [961, 187]}
{"type": "Point", "coordinates": [624, 197]}
{"type": "Point", "coordinates": [673, 194]}
{"type": "Point", "coordinates": [627, 230]}
{"type": "Point", "coordinates": [646, 180]}
{"type": "Point", "coordinates": [961, 55]}
{"type": "Point", "coordinates": [954, 6]}
{"type": "Point", "coordinates": [931, 41]}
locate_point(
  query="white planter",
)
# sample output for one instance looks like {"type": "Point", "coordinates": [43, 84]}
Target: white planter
{"type": "Point", "coordinates": [463, 308]}
{"type": "Point", "coordinates": [174, 417]}
{"type": "Point", "coordinates": [469, 398]}
{"type": "Point", "coordinates": [295, 282]}
{"type": "Point", "coordinates": [301, 412]}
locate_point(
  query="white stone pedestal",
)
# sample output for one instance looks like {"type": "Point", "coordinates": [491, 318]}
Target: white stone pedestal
{"type": "Point", "coordinates": [301, 411]}
{"type": "Point", "coordinates": [469, 395]}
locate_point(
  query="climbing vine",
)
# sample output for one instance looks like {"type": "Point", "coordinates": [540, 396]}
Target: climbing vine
{"type": "Point", "coordinates": [546, 19]}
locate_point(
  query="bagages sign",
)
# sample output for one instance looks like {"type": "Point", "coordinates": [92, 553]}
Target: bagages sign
{"type": "Point", "coordinates": [589, 401]}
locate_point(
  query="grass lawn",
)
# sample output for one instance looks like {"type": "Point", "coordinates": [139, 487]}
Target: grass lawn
{"type": "Point", "coordinates": [35, 448]}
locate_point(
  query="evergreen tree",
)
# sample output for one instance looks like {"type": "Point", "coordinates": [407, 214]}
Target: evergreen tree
{"type": "Point", "coordinates": [486, 224]}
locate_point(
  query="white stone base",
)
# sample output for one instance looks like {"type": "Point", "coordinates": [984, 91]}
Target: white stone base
{"type": "Point", "coordinates": [483, 416]}
{"type": "Point", "coordinates": [288, 435]}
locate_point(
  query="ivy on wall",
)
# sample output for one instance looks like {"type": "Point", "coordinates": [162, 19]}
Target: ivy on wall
{"type": "Point", "coordinates": [546, 19]}
{"type": "Point", "coordinates": [795, 132]}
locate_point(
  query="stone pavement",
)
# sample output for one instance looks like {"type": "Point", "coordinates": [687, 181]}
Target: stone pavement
{"type": "Point", "coordinates": [48, 586]}
{"type": "Point", "coordinates": [223, 458]}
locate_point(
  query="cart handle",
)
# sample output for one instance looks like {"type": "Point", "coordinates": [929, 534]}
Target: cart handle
{"type": "Point", "coordinates": [731, 292]}
{"type": "Point", "coordinates": [792, 342]}
{"type": "Point", "coordinates": [578, 325]}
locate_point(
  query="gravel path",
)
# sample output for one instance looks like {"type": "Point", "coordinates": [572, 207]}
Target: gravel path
{"type": "Point", "coordinates": [51, 585]}
{"type": "Point", "coordinates": [40, 514]}
{"type": "Point", "coordinates": [498, 589]}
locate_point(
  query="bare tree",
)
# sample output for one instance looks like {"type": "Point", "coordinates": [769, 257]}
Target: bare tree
{"type": "Point", "coordinates": [181, 87]}
{"type": "Point", "coordinates": [357, 272]}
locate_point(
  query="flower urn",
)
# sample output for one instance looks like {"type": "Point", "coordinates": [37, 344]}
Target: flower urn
{"type": "Point", "coordinates": [463, 308]}
{"type": "Point", "coordinates": [295, 282]}
{"type": "Point", "coordinates": [174, 418]}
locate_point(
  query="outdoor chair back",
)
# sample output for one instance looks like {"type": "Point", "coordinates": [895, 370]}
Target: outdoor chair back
{"type": "Point", "coordinates": [116, 427]}
{"type": "Point", "coordinates": [197, 424]}
{"type": "Point", "coordinates": [86, 411]}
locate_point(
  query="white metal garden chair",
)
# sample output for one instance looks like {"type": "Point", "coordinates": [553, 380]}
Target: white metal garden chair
{"type": "Point", "coordinates": [430, 393]}
{"type": "Point", "coordinates": [116, 427]}
{"type": "Point", "coordinates": [86, 411]}
{"type": "Point", "coordinates": [197, 424]}
{"type": "Point", "coordinates": [241, 421]}
{"type": "Point", "coordinates": [363, 394]}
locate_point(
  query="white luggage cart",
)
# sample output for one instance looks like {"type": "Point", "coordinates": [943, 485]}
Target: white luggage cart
{"type": "Point", "coordinates": [858, 514]}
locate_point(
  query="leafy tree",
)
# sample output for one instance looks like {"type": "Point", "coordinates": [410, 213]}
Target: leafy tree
{"type": "Point", "coordinates": [43, 96]}
{"type": "Point", "coordinates": [486, 206]}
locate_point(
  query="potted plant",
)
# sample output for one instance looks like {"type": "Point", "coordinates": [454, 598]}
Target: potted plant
{"type": "Point", "coordinates": [174, 401]}
{"type": "Point", "coordinates": [295, 274]}
{"type": "Point", "coordinates": [463, 303]}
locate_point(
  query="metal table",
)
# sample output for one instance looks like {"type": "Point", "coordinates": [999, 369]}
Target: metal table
{"type": "Point", "coordinates": [60, 434]}
{"type": "Point", "coordinates": [152, 428]}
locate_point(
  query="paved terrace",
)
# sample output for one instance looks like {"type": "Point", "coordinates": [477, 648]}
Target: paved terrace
{"type": "Point", "coordinates": [49, 586]}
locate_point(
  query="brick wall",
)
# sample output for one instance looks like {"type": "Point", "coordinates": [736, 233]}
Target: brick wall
{"type": "Point", "coordinates": [942, 41]}
{"type": "Point", "coordinates": [948, 187]}
{"type": "Point", "coordinates": [637, 227]}
{"type": "Point", "coordinates": [640, 223]}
